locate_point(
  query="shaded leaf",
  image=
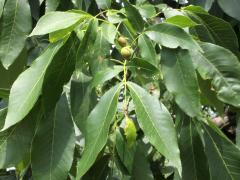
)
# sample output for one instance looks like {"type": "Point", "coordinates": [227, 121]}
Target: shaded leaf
{"type": "Point", "coordinates": [15, 24]}
{"type": "Point", "coordinates": [134, 16]}
{"type": "Point", "coordinates": [104, 4]}
{"type": "Point", "coordinates": [181, 80]}
{"type": "Point", "coordinates": [223, 156]}
{"type": "Point", "coordinates": [214, 30]}
{"type": "Point", "coordinates": [192, 152]}
{"type": "Point", "coordinates": [97, 127]}
{"type": "Point", "coordinates": [59, 73]}
{"type": "Point", "coordinates": [85, 49]}
{"type": "Point", "coordinates": [157, 124]}
{"type": "Point", "coordinates": [16, 141]}
{"type": "Point", "coordinates": [51, 5]}
{"type": "Point", "coordinates": [53, 145]}
{"type": "Point", "coordinates": [147, 50]}
{"type": "Point", "coordinates": [223, 68]}
{"type": "Point", "coordinates": [230, 7]}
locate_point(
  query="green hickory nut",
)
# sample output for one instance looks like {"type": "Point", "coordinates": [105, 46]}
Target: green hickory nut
{"type": "Point", "coordinates": [122, 41]}
{"type": "Point", "coordinates": [126, 52]}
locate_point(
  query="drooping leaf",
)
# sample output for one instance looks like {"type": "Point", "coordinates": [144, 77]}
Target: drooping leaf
{"type": "Point", "coordinates": [147, 50]}
{"type": "Point", "coordinates": [27, 88]}
{"type": "Point", "coordinates": [51, 5]}
{"type": "Point", "coordinates": [209, 96]}
{"type": "Point", "coordinates": [181, 80]}
{"type": "Point", "coordinates": [97, 127]}
{"type": "Point", "coordinates": [214, 30]}
{"type": "Point", "coordinates": [223, 68]}
{"type": "Point", "coordinates": [134, 16]}
{"type": "Point", "coordinates": [157, 124]}
{"type": "Point", "coordinates": [230, 7]}
{"type": "Point", "coordinates": [83, 99]}
{"type": "Point", "coordinates": [192, 151]}
{"type": "Point", "coordinates": [171, 36]}
{"type": "Point", "coordinates": [53, 146]}
{"type": "Point", "coordinates": [15, 24]}
{"type": "Point", "coordinates": [141, 166]}
{"type": "Point", "coordinates": [54, 21]}
{"type": "Point", "coordinates": [100, 169]}
{"type": "Point", "coordinates": [59, 72]}
{"type": "Point", "coordinates": [104, 4]}
{"type": "Point", "coordinates": [85, 49]}
{"type": "Point", "coordinates": [16, 141]}
{"type": "Point", "coordinates": [125, 153]}
{"type": "Point", "coordinates": [223, 156]}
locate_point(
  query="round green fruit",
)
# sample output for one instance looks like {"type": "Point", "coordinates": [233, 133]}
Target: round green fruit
{"type": "Point", "coordinates": [122, 41]}
{"type": "Point", "coordinates": [126, 52]}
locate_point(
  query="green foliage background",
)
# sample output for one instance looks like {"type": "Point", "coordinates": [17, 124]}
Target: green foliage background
{"type": "Point", "coordinates": [73, 107]}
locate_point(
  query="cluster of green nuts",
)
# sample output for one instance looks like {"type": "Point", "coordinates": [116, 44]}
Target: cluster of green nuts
{"type": "Point", "coordinates": [126, 50]}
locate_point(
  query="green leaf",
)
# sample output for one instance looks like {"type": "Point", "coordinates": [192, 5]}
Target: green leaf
{"type": "Point", "coordinates": [146, 10]}
{"type": "Point", "coordinates": [181, 80]}
{"type": "Point", "coordinates": [53, 146]}
{"type": "Point", "coordinates": [134, 16]}
{"type": "Point", "coordinates": [223, 68]}
{"type": "Point", "coordinates": [15, 24]}
{"type": "Point", "coordinates": [100, 169]}
{"type": "Point", "coordinates": [192, 152]}
{"type": "Point", "coordinates": [223, 156]}
{"type": "Point", "coordinates": [109, 31]}
{"type": "Point", "coordinates": [206, 4]}
{"type": "Point", "coordinates": [55, 21]}
{"type": "Point", "coordinates": [83, 99]}
{"type": "Point", "coordinates": [59, 73]}
{"type": "Point", "coordinates": [147, 50]}
{"type": "Point", "coordinates": [11, 74]}
{"type": "Point", "coordinates": [156, 123]}
{"type": "Point", "coordinates": [85, 49]}
{"type": "Point", "coordinates": [3, 113]}
{"type": "Point", "coordinates": [97, 127]}
{"type": "Point", "coordinates": [238, 130]}
{"type": "Point", "coordinates": [230, 7]}
{"type": "Point", "coordinates": [210, 96]}
{"type": "Point", "coordinates": [171, 36]}
{"type": "Point", "coordinates": [105, 75]}
{"type": "Point", "coordinates": [1, 7]}
{"type": "Point", "coordinates": [125, 153]}
{"type": "Point", "coordinates": [4, 93]}
{"type": "Point", "coordinates": [182, 21]}
{"type": "Point", "coordinates": [27, 88]}
{"type": "Point", "coordinates": [51, 5]}
{"type": "Point", "coordinates": [104, 4]}
{"type": "Point", "coordinates": [214, 30]}
{"type": "Point", "coordinates": [15, 142]}
{"type": "Point", "coordinates": [141, 166]}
